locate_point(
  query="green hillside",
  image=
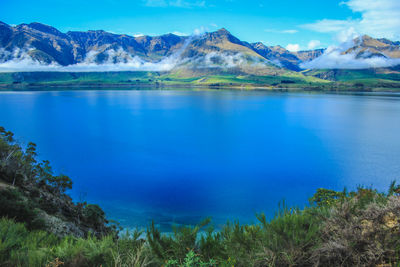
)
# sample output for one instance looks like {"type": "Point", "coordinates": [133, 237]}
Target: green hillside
{"type": "Point", "coordinates": [135, 79]}
{"type": "Point", "coordinates": [325, 80]}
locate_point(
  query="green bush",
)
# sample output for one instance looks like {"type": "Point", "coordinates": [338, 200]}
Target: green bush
{"type": "Point", "coordinates": [35, 249]}
{"type": "Point", "coordinates": [291, 236]}
{"type": "Point", "coordinates": [21, 247]}
{"type": "Point", "coordinates": [28, 188]}
{"type": "Point", "coordinates": [360, 229]}
{"type": "Point", "coordinates": [14, 205]}
{"type": "Point", "coordinates": [90, 251]}
{"type": "Point", "coordinates": [174, 246]}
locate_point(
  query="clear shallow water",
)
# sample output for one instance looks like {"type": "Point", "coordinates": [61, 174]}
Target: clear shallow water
{"type": "Point", "coordinates": [180, 156]}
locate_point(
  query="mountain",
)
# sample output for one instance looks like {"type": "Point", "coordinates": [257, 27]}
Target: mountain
{"type": "Point", "coordinates": [367, 47]}
{"type": "Point", "coordinates": [46, 45]}
{"type": "Point", "coordinates": [213, 52]}
{"type": "Point", "coordinates": [281, 56]}
{"type": "Point", "coordinates": [365, 61]}
{"type": "Point", "coordinates": [308, 55]}
{"type": "Point", "coordinates": [219, 41]}
{"type": "Point", "coordinates": [39, 47]}
{"type": "Point", "coordinates": [40, 42]}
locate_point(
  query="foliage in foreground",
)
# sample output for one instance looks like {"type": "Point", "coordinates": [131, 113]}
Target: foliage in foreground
{"type": "Point", "coordinates": [360, 228]}
{"type": "Point", "coordinates": [31, 193]}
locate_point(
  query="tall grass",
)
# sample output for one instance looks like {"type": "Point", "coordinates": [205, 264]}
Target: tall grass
{"type": "Point", "coordinates": [359, 228]}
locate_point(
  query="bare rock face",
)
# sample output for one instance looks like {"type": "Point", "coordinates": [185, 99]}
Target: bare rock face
{"type": "Point", "coordinates": [160, 46]}
{"type": "Point", "coordinates": [5, 34]}
{"type": "Point", "coordinates": [367, 47]}
{"type": "Point", "coordinates": [309, 55]}
{"type": "Point", "coordinates": [278, 54]}
{"type": "Point", "coordinates": [61, 228]}
{"type": "Point", "coordinates": [47, 45]}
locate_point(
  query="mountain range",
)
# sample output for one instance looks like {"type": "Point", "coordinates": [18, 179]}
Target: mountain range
{"type": "Point", "coordinates": [46, 44]}
{"type": "Point", "coordinates": [36, 46]}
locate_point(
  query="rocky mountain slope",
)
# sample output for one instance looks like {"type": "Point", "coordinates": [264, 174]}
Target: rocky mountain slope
{"type": "Point", "coordinates": [26, 47]}
{"type": "Point", "coordinates": [47, 45]}
{"type": "Point", "coordinates": [367, 47]}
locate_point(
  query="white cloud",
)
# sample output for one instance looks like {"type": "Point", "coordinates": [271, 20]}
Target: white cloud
{"type": "Point", "coordinates": [116, 60]}
{"type": "Point", "coordinates": [174, 3]}
{"type": "Point", "coordinates": [378, 18]}
{"type": "Point", "coordinates": [180, 33]}
{"type": "Point", "coordinates": [289, 31]}
{"type": "Point", "coordinates": [293, 47]}
{"type": "Point", "coordinates": [313, 44]}
{"type": "Point", "coordinates": [336, 60]}
{"type": "Point", "coordinates": [119, 60]}
{"type": "Point", "coordinates": [199, 31]}
{"type": "Point", "coordinates": [329, 25]}
{"type": "Point", "coordinates": [215, 59]}
{"type": "Point", "coordinates": [227, 60]}
{"type": "Point", "coordinates": [347, 35]}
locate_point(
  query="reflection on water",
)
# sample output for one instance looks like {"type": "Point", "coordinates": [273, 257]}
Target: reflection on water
{"type": "Point", "coordinates": [179, 156]}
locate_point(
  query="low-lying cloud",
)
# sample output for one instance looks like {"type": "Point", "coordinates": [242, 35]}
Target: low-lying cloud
{"type": "Point", "coordinates": [227, 60]}
{"type": "Point", "coordinates": [129, 64]}
{"type": "Point", "coordinates": [334, 58]}
{"type": "Point", "coordinates": [26, 63]}
{"type": "Point", "coordinates": [20, 60]}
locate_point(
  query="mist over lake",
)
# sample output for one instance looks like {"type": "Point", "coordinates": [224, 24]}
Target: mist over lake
{"type": "Point", "coordinates": [178, 156]}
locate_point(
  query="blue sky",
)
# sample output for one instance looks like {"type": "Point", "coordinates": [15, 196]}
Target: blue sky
{"type": "Point", "coordinates": [290, 23]}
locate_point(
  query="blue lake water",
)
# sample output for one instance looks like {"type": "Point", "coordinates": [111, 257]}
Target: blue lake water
{"type": "Point", "coordinates": [177, 156]}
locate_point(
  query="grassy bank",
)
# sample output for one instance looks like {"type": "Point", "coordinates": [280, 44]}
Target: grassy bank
{"type": "Point", "coordinates": [38, 80]}
{"type": "Point", "coordinates": [358, 228]}
{"type": "Point", "coordinates": [342, 229]}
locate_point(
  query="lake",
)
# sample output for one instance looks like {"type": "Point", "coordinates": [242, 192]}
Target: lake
{"type": "Point", "coordinates": [178, 156]}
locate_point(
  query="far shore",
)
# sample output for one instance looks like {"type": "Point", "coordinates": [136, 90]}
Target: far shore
{"type": "Point", "coordinates": [163, 86]}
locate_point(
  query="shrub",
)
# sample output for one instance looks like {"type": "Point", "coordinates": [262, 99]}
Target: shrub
{"type": "Point", "coordinates": [191, 260]}
{"type": "Point", "coordinates": [362, 231]}
{"type": "Point", "coordinates": [175, 246]}
{"type": "Point", "coordinates": [89, 251]}
{"type": "Point", "coordinates": [35, 249]}
{"type": "Point", "coordinates": [14, 205]}
{"type": "Point", "coordinates": [326, 197]}
{"type": "Point", "coordinates": [94, 215]}
{"type": "Point", "coordinates": [290, 237]}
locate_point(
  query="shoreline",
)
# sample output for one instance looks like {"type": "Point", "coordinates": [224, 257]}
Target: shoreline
{"type": "Point", "coordinates": [124, 87]}
{"type": "Point", "coordinates": [242, 87]}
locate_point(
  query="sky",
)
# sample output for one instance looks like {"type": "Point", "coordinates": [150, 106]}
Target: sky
{"type": "Point", "coordinates": [294, 24]}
